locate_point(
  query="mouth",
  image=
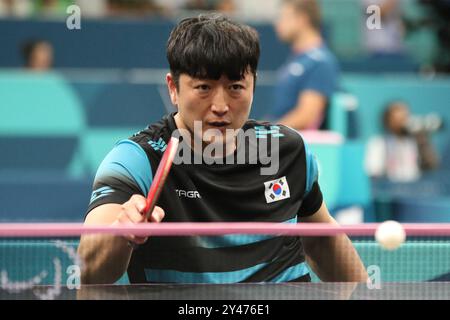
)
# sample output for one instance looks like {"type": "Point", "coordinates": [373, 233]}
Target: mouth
{"type": "Point", "coordinates": [219, 124]}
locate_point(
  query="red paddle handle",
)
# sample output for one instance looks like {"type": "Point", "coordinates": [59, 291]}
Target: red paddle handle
{"type": "Point", "coordinates": [160, 176]}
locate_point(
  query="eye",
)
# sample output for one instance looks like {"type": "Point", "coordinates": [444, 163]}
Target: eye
{"type": "Point", "coordinates": [202, 88]}
{"type": "Point", "coordinates": [236, 87]}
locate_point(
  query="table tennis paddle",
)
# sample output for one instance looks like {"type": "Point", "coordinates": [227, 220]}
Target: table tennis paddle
{"type": "Point", "coordinates": [160, 176]}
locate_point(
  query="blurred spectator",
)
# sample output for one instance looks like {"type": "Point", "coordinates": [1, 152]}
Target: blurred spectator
{"type": "Point", "coordinates": [134, 7]}
{"type": "Point", "coordinates": [90, 9]}
{"type": "Point", "coordinates": [252, 10]}
{"type": "Point", "coordinates": [38, 55]}
{"type": "Point", "coordinates": [15, 8]}
{"type": "Point", "coordinates": [226, 7]}
{"type": "Point", "coordinates": [170, 7]}
{"type": "Point", "coordinates": [51, 8]}
{"type": "Point", "coordinates": [201, 5]}
{"type": "Point", "coordinates": [387, 40]}
{"type": "Point", "coordinates": [247, 10]}
{"type": "Point", "coordinates": [403, 151]}
{"type": "Point", "coordinates": [385, 45]}
{"type": "Point", "coordinates": [439, 23]}
{"type": "Point", "coordinates": [309, 78]}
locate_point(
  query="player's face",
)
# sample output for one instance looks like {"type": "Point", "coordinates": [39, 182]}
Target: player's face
{"type": "Point", "coordinates": [216, 104]}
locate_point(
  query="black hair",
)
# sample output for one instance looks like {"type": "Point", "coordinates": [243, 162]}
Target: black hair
{"type": "Point", "coordinates": [211, 45]}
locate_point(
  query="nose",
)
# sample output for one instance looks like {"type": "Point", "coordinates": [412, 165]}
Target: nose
{"type": "Point", "coordinates": [219, 105]}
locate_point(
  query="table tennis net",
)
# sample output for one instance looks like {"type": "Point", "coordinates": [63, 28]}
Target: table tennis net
{"type": "Point", "coordinates": [39, 255]}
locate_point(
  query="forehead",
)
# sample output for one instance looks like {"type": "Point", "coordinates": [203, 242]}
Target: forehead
{"type": "Point", "coordinates": [248, 77]}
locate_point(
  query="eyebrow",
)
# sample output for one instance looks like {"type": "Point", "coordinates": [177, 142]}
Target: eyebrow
{"type": "Point", "coordinates": [192, 80]}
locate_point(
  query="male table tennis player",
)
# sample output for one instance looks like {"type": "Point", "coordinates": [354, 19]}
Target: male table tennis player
{"type": "Point", "coordinates": [213, 63]}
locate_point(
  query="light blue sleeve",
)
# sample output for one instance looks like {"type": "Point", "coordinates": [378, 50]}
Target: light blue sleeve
{"type": "Point", "coordinates": [128, 163]}
{"type": "Point", "coordinates": [312, 170]}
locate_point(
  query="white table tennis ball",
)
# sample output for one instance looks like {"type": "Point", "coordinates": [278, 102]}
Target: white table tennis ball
{"type": "Point", "coordinates": [390, 235]}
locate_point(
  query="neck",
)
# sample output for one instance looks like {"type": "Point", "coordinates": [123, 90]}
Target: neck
{"type": "Point", "coordinates": [307, 40]}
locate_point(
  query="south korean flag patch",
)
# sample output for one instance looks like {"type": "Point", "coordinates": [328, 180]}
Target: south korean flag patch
{"type": "Point", "coordinates": [276, 190]}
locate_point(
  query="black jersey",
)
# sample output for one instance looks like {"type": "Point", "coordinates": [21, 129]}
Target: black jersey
{"type": "Point", "coordinates": [236, 192]}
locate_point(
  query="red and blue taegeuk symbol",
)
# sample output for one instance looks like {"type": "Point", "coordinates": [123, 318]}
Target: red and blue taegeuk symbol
{"type": "Point", "coordinates": [276, 189]}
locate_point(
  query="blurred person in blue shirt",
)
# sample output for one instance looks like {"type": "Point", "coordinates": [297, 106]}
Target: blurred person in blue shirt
{"type": "Point", "coordinates": [308, 79]}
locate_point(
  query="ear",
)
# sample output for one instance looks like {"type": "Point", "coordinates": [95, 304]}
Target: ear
{"type": "Point", "coordinates": [172, 89]}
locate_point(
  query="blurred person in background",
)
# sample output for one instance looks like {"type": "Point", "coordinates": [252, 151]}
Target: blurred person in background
{"type": "Point", "coordinates": [201, 5]}
{"type": "Point", "coordinates": [134, 8]}
{"type": "Point", "coordinates": [252, 10]}
{"type": "Point", "coordinates": [404, 151]}
{"type": "Point", "coordinates": [387, 40]}
{"type": "Point", "coordinates": [438, 22]}
{"type": "Point", "coordinates": [308, 79]}
{"type": "Point", "coordinates": [93, 9]}
{"type": "Point", "coordinates": [226, 7]}
{"type": "Point", "coordinates": [51, 8]}
{"type": "Point", "coordinates": [38, 55]}
{"type": "Point", "coordinates": [15, 8]}
{"type": "Point", "coordinates": [247, 10]}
